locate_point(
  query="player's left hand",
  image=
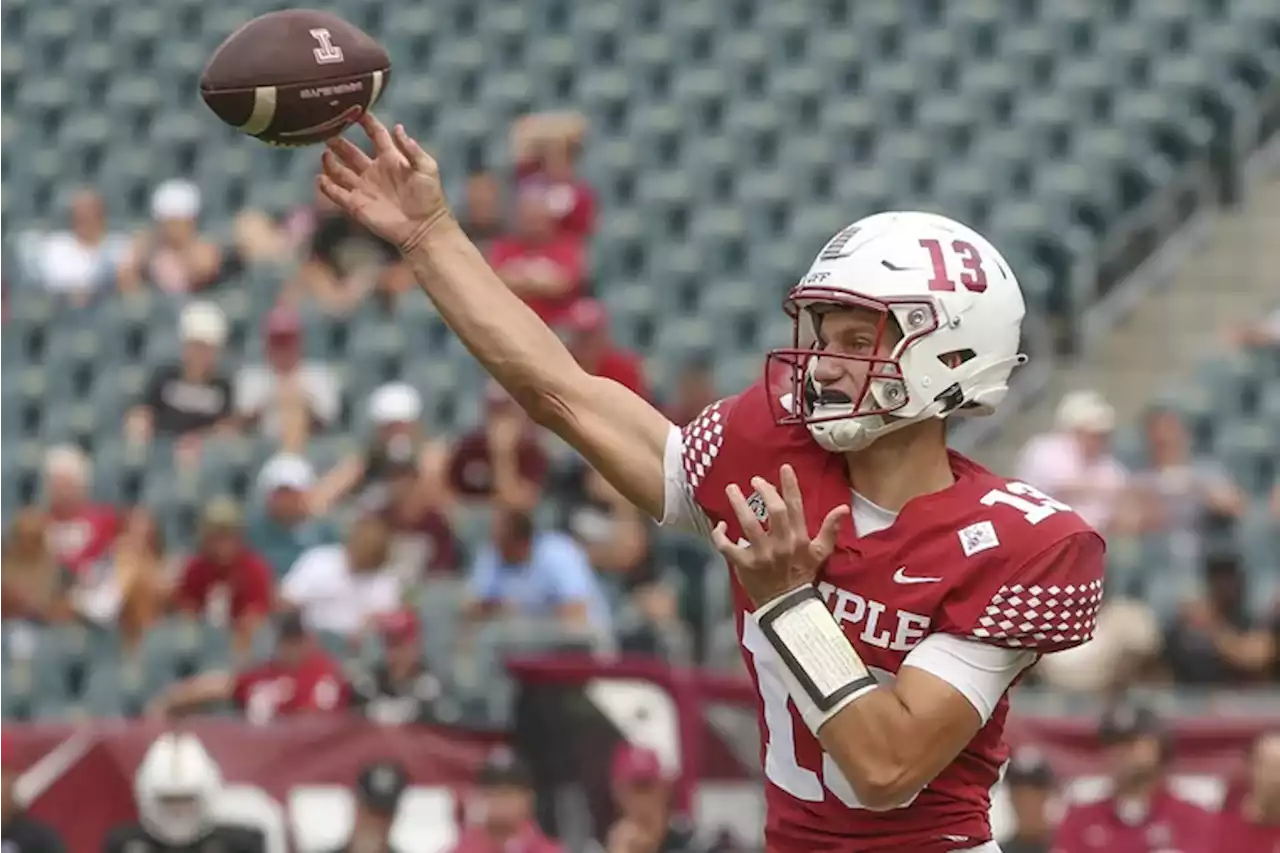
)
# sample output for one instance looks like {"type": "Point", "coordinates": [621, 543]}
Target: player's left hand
{"type": "Point", "coordinates": [784, 557]}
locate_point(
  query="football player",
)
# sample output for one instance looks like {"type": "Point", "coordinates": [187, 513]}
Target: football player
{"type": "Point", "coordinates": [175, 788]}
{"type": "Point", "coordinates": [888, 590]}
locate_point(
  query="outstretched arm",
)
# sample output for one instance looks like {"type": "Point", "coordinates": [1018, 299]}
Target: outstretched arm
{"type": "Point", "coordinates": [397, 194]}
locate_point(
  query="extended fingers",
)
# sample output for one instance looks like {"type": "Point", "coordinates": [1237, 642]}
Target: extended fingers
{"type": "Point", "coordinates": [793, 498]}
{"type": "Point", "coordinates": [732, 551]}
{"type": "Point", "coordinates": [409, 147]}
{"type": "Point", "coordinates": [336, 194]}
{"type": "Point", "coordinates": [349, 153]}
{"type": "Point", "coordinates": [780, 525]}
{"type": "Point", "coordinates": [825, 542]}
{"type": "Point", "coordinates": [747, 520]}
{"type": "Point", "coordinates": [338, 171]}
{"type": "Point", "coordinates": [377, 131]}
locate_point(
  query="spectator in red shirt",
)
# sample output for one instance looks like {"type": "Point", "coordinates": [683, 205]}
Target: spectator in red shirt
{"type": "Point", "coordinates": [79, 531]}
{"type": "Point", "coordinates": [541, 266]}
{"type": "Point", "coordinates": [505, 800]}
{"type": "Point", "coordinates": [422, 540]}
{"type": "Point", "coordinates": [226, 582]}
{"type": "Point", "coordinates": [502, 460]}
{"type": "Point", "coordinates": [300, 679]}
{"type": "Point", "coordinates": [586, 326]}
{"type": "Point", "coordinates": [1250, 818]}
{"type": "Point", "coordinates": [546, 149]}
{"type": "Point", "coordinates": [1140, 814]}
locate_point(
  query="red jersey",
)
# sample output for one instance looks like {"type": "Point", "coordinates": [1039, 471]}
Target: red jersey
{"type": "Point", "coordinates": [1233, 830]}
{"type": "Point", "coordinates": [226, 593]}
{"type": "Point", "coordinates": [564, 252]}
{"type": "Point", "coordinates": [271, 689]}
{"type": "Point", "coordinates": [79, 539]}
{"type": "Point", "coordinates": [1167, 824]}
{"type": "Point", "coordinates": [572, 204]}
{"type": "Point", "coordinates": [985, 559]}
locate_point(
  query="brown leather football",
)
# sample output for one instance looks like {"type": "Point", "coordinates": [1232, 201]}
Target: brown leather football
{"type": "Point", "coordinates": [295, 77]}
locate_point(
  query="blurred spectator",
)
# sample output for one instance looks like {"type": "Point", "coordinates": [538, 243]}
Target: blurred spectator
{"type": "Point", "coordinates": [81, 262]}
{"type": "Point", "coordinates": [400, 689]}
{"type": "Point", "coordinates": [695, 389]}
{"type": "Point", "coordinates": [504, 803]}
{"type": "Point", "coordinates": [545, 148]}
{"type": "Point", "coordinates": [225, 582]}
{"type": "Point", "coordinates": [1216, 640]}
{"type": "Point", "coordinates": [280, 525]}
{"type": "Point", "coordinates": [19, 831]}
{"type": "Point", "coordinates": [502, 460]}
{"type": "Point", "coordinates": [1176, 492]}
{"type": "Point", "coordinates": [395, 410]}
{"type": "Point", "coordinates": [618, 540]}
{"type": "Point", "coordinates": [172, 256]}
{"type": "Point", "coordinates": [1074, 463]}
{"type": "Point", "coordinates": [287, 398]}
{"type": "Point", "coordinates": [536, 574]}
{"type": "Point", "coordinates": [344, 261]}
{"type": "Point", "coordinates": [1140, 814]}
{"type": "Point", "coordinates": [79, 531]}
{"type": "Point", "coordinates": [543, 267]}
{"type": "Point", "coordinates": [192, 396]}
{"type": "Point", "coordinates": [259, 240]}
{"type": "Point", "coordinates": [587, 327]}
{"type": "Point", "coordinates": [642, 799]}
{"type": "Point", "coordinates": [377, 795]}
{"type": "Point", "coordinates": [1250, 816]}
{"type": "Point", "coordinates": [1029, 781]}
{"type": "Point", "coordinates": [482, 218]}
{"type": "Point", "coordinates": [422, 540]}
{"type": "Point", "coordinates": [128, 587]}
{"type": "Point", "coordinates": [301, 678]}
{"type": "Point", "coordinates": [33, 586]}
{"type": "Point", "coordinates": [1265, 333]}
{"type": "Point", "coordinates": [1125, 647]}
{"type": "Point", "coordinates": [343, 589]}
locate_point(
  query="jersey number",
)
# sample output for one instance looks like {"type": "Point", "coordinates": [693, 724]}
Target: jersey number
{"type": "Point", "coordinates": [1034, 504]}
{"type": "Point", "coordinates": [781, 766]}
{"type": "Point", "coordinates": [973, 277]}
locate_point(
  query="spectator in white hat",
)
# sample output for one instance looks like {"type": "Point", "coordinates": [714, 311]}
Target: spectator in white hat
{"type": "Point", "coordinates": [395, 412]}
{"type": "Point", "coordinates": [281, 525]}
{"type": "Point", "coordinates": [1074, 463]}
{"type": "Point", "coordinates": [186, 399]}
{"type": "Point", "coordinates": [172, 256]}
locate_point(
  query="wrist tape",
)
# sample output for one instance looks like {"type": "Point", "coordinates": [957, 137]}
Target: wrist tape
{"type": "Point", "coordinates": [822, 671]}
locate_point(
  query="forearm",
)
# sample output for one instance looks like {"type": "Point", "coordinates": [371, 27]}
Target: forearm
{"type": "Point", "coordinates": [889, 740]}
{"type": "Point", "coordinates": [503, 333]}
{"type": "Point", "coordinates": [620, 434]}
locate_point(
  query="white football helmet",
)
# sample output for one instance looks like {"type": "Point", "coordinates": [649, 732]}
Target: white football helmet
{"type": "Point", "coordinates": [954, 300]}
{"type": "Point", "coordinates": [175, 788]}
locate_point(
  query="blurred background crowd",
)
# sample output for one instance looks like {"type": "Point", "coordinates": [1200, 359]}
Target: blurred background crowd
{"type": "Point", "coordinates": [236, 437]}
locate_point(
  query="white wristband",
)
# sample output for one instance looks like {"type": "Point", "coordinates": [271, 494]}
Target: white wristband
{"type": "Point", "coordinates": [822, 671]}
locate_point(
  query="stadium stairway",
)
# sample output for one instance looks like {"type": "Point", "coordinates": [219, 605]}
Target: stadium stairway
{"type": "Point", "coordinates": [1226, 278]}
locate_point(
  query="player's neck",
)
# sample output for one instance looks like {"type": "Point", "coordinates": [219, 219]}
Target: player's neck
{"type": "Point", "coordinates": [902, 465]}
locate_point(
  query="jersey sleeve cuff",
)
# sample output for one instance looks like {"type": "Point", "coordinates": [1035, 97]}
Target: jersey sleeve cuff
{"type": "Point", "coordinates": [981, 673]}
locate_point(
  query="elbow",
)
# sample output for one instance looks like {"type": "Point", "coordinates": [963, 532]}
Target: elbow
{"type": "Point", "coordinates": [881, 795]}
{"type": "Point", "coordinates": [881, 784]}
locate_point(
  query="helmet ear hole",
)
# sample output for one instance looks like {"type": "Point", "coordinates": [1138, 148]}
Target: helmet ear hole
{"type": "Point", "coordinates": [955, 358]}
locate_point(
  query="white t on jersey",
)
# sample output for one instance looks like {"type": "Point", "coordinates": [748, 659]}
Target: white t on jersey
{"type": "Point", "coordinates": [980, 672]}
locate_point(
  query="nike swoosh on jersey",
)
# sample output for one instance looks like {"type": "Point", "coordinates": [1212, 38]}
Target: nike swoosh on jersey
{"type": "Point", "coordinates": [901, 576]}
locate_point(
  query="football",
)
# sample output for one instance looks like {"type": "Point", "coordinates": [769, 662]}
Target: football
{"type": "Point", "coordinates": [295, 77]}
